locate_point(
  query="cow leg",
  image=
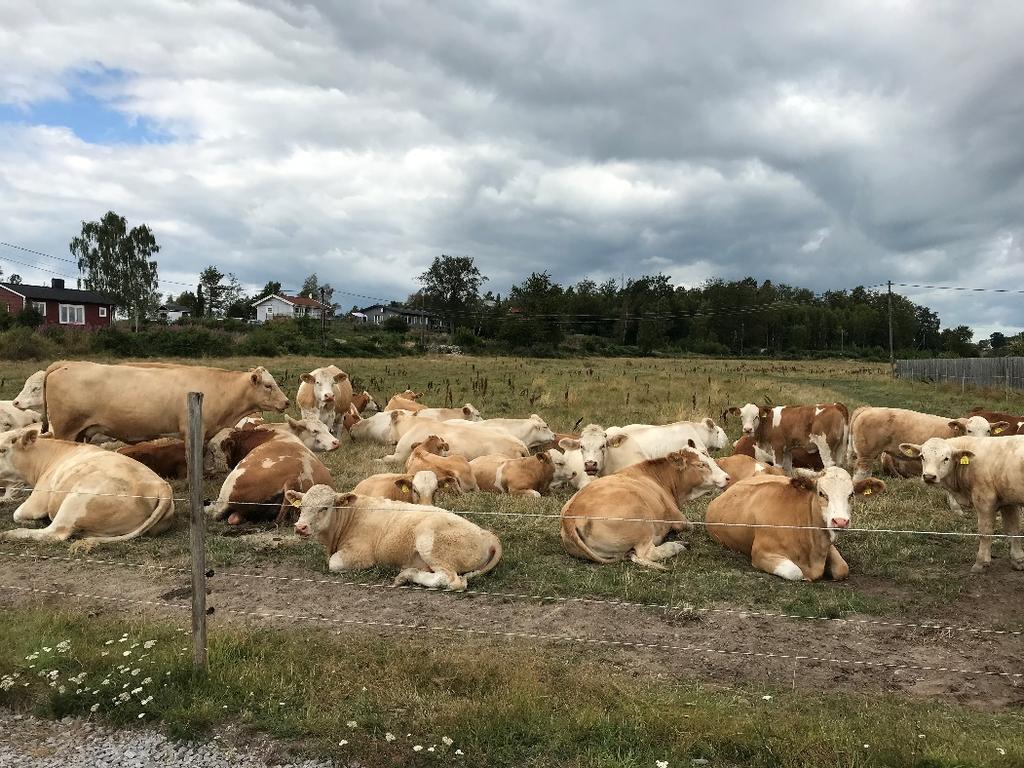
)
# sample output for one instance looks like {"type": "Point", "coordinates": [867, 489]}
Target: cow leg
{"type": "Point", "coordinates": [777, 564]}
{"type": "Point", "coordinates": [648, 555]}
{"type": "Point", "coordinates": [954, 505]}
{"type": "Point", "coordinates": [1011, 527]}
{"type": "Point", "coordinates": [986, 525]}
{"type": "Point", "coordinates": [824, 450]}
{"type": "Point", "coordinates": [33, 508]}
{"type": "Point", "coordinates": [835, 565]}
{"type": "Point", "coordinates": [787, 460]}
{"type": "Point", "coordinates": [862, 465]}
{"type": "Point", "coordinates": [55, 531]}
{"type": "Point", "coordinates": [526, 492]}
{"type": "Point", "coordinates": [442, 578]}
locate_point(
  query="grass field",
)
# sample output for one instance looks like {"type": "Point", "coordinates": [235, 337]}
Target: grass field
{"type": "Point", "coordinates": [518, 707]}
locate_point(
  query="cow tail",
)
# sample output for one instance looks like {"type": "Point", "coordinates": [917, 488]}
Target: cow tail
{"type": "Point", "coordinates": [492, 561]}
{"type": "Point", "coordinates": [575, 546]}
{"type": "Point", "coordinates": [851, 448]}
{"type": "Point", "coordinates": [498, 477]}
{"type": "Point", "coordinates": [46, 421]}
{"type": "Point", "coordinates": [164, 508]}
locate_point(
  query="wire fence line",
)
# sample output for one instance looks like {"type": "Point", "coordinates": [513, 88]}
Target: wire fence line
{"type": "Point", "coordinates": [413, 509]}
{"type": "Point", "coordinates": [984, 372]}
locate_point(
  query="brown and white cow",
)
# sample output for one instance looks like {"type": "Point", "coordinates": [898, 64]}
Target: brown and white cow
{"type": "Point", "coordinates": [255, 488]}
{"type": "Point", "coordinates": [874, 430]}
{"type": "Point", "coordinates": [363, 402]}
{"type": "Point", "coordinates": [787, 526]}
{"type": "Point", "coordinates": [416, 488]}
{"type": "Point", "coordinates": [133, 403]}
{"type": "Point", "coordinates": [777, 430]}
{"type": "Point", "coordinates": [433, 455]}
{"type": "Point", "coordinates": [802, 458]}
{"type": "Point", "coordinates": [83, 490]}
{"type": "Point", "coordinates": [465, 438]}
{"type": "Point", "coordinates": [325, 394]}
{"type": "Point", "coordinates": [230, 446]}
{"type": "Point", "coordinates": [981, 473]}
{"type": "Point", "coordinates": [1003, 424]}
{"type": "Point", "coordinates": [165, 456]}
{"type": "Point", "coordinates": [430, 546]}
{"type": "Point", "coordinates": [739, 466]}
{"type": "Point", "coordinates": [629, 513]}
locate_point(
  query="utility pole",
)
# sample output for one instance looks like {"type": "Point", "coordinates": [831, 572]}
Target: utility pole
{"type": "Point", "coordinates": [892, 354]}
{"type": "Point", "coordinates": [323, 319]}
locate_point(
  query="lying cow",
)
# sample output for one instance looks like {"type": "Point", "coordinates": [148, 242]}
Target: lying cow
{"type": "Point", "coordinates": [31, 395]}
{"type": "Point", "coordinates": [467, 412]}
{"type": "Point", "coordinates": [981, 473]}
{"type": "Point", "coordinates": [230, 446]}
{"type": "Point", "coordinates": [874, 430]}
{"type": "Point", "coordinates": [430, 546]}
{"type": "Point", "coordinates": [597, 453]}
{"type": "Point", "coordinates": [533, 431]}
{"type": "Point", "coordinates": [1014, 423]}
{"type": "Point", "coordinates": [465, 438]}
{"type": "Point", "coordinates": [433, 455]}
{"type": "Point", "coordinates": [12, 417]}
{"type": "Point", "coordinates": [83, 490]}
{"type": "Point", "coordinates": [416, 488]}
{"type": "Point", "coordinates": [810, 509]}
{"type": "Point", "coordinates": [405, 401]}
{"type": "Point", "coordinates": [802, 458]}
{"type": "Point", "coordinates": [166, 456]}
{"type": "Point", "coordinates": [283, 461]}
{"type": "Point", "coordinates": [821, 428]}
{"type": "Point", "coordinates": [379, 428]}
{"type": "Point", "coordinates": [133, 403]}
{"type": "Point", "coordinates": [324, 394]}
{"type": "Point", "coordinates": [363, 402]}
{"type": "Point", "coordinates": [647, 496]}
{"type": "Point", "coordinates": [529, 476]}
{"type": "Point", "coordinates": [661, 440]}
{"type": "Point", "coordinates": [740, 466]}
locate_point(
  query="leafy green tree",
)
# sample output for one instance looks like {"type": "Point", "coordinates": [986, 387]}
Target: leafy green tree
{"type": "Point", "coordinates": [272, 286]}
{"type": "Point", "coordinates": [451, 287]}
{"type": "Point", "coordinates": [15, 279]}
{"type": "Point", "coordinates": [118, 262]}
{"type": "Point", "coordinates": [310, 287]}
{"type": "Point", "coordinates": [211, 291]}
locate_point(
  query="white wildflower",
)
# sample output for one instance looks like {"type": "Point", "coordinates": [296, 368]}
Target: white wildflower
{"type": "Point", "coordinates": [351, 723]}
{"type": "Point", "coordinates": [446, 741]}
{"type": "Point", "coordinates": [417, 748]}
{"type": "Point", "coordinates": [343, 742]}
{"type": "Point", "coordinates": [135, 672]}
{"type": "Point", "coordinates": [661, 763]}
{"type": "Point", "coordinates": [149, 644]}
{"type": "Point", "coordinates": [141, 715]}
{"type": "Point", "coordinates": [766, 697]}
{"type": "Point", "coordinates": [867, 746]}
{"type": "Point", "coordinates": [136, 691]}
{"type": "Point", "coordinates": [94, 707]}
{"type": "Point", "coordinates": [1000, 750]}
{"type": "Point", "coordinates": [147, 681]}
{"type": "Point", "coordinates": [127, 653]}
{"type": "Point", "coordinates": [6, 683]}
{"type": "Point", "coordinates": [459, 752]}
{"type": "Point", "coordinates": [389, 737]}
{"type": "Point", "coordinates": [430, 749]}
{"type": "Point", "coordinates": [47, 650]}
{"type": "Point", "coordinates": [63, 646]}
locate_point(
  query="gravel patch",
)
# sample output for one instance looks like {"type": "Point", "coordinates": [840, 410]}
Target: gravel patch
{"type": "Point", "coordinates": [28, 742]}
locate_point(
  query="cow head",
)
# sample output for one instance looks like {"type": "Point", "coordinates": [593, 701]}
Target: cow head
{"type": "Point", "coordinates": [317, 507]}
{"type": "Point", "coordinates": [350, 419]}
{"type": "Point", "coordinates": [974, 426]}
{"type": "Point", "coordinates": [11, 442]}
{"type": "Point", "coordinates": [409, 395]}
{"type": "Point", "coordinates": [433, 444]}
{"type": "Point", "coordinates": [563, 473]}
{"type": "Point", "coordinates": [323, 381]}
{"type": "Point", "coordinates": [717, 439]}
{"type": "Point", "coordinates": [593, 444]}
{"type": "Point", "coordinates": [940, 459]}
{"type": "Point", "coordinates": [538, 432]}
{"type": "Point", "coordinates": [420, 489]}
{"type": "Point", "coordinates": [698, 471]}
{"type": "Point", "coordinates": [750, 416]}
{"type": "Point", "coordinates": [313, 433]}
{"type": "Point", "coordinates": [470, 413]}
{"type": "Point", "coordinates": [31, 395]}
{"type": "Point", "coordinates": [269, 396]}
{"type": "Point", "coordinates": [368, 403]}
{"type": "Point", "coordinates": [834, 490]}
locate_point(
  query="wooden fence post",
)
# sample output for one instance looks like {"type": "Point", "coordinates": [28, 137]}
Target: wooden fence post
{"type": "Point", "coordinates": [194, 453]}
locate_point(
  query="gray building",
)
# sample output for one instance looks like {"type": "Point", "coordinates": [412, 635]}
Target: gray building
{"type": "Point", "coordinates": [416, 318]}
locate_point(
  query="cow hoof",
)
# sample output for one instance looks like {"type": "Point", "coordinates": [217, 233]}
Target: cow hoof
{"type": "Point", "coordinates": [980, 567]}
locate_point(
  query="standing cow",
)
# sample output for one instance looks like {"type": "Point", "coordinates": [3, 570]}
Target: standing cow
{"type": "Point", "coordinates": [981, 473]}
{"type": "Point", "coordinates": [778, 430]}
{"type": "Point", "coordinates": [325, 394]}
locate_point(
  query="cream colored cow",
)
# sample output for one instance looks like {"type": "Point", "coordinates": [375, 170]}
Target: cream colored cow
{"type": "Point", "coordinates": [83, 490]}
{"type": "Point", "coordinates": [430, 546]}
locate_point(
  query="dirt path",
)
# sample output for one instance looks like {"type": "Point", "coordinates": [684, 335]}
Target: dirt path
{"type": "Point", "coordinates": [722, 646]}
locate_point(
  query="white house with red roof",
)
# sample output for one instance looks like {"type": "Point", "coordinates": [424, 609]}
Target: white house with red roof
{"type": "Point", "coordinates": [278, 305]}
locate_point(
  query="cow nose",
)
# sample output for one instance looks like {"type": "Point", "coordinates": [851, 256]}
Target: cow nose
{"type": "Point", "coordinates": [302, 529]}
{"type": "Point", "coordinates": [328, 398]}
{"type": "Point", "coordinates": [335, 444]}
{"type": "Point", "coordinates": [728, 481]}
{"type": "Point", "coordinates": [929, 478]}
{"type": "Point", "coordinates": [840, 522]}
{"type": "Point", "coordinates": [748, 431]}
{"type": "Point", "coordinates": [287, 402]}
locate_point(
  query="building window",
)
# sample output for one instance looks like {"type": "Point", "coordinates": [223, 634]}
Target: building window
{"type": "Point", "coordinates": [270, 313]}
{"type": "Point", "coordinates": [40, 307]}
{"type": "Point", "coordinates": [72, 314]}
{"type": "Point", "coordinates": [103, 312]}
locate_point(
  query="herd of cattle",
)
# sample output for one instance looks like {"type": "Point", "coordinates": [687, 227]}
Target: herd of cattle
{"type": "Point", "coordinates": [784, 490]}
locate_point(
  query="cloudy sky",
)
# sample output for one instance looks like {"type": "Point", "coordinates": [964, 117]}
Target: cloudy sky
{"type": "Point", "coordinates": [824, 144]}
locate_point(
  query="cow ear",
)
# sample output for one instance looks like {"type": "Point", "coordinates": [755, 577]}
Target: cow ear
{"type": "Point", "coordinates": [28, 437]}
{"type": "Point", "coordinates": [868, 486]}
{"type": "Point", "coordinates": [395, 415]}
{"type": "Point", "coordinates": [958, 427]}
{"type": "Point", "coordinates": [340, 376]}
{"type": "Point", "coordinates": [804, 483]}
{"type": "Point", "coordinates": [255, 378]}
{"type": "Point", "coordinates": [691, 444]}
{"type": "Point", "coordinates": [414, 446]}
{"type": "Point", "coordinates": [543, 458]}
{"type": "Point", "coordinates": [345, 499]}
{"type": "Point", "coordinates": [306, 378]}
{"type": "Point", "coordinates": [910, 450]}
{"type": "Point", "coordinates": [294, 497]}
{"type": "Point", "coordinates": [568, 444]}
{"type": "Point", "coordinates": [999, 427]}
{"type": "Point", "coordinates": [404, 486]}
{"type": "Point", "coordinates": [296, 424]}
{"type": "Point", "coordinates": [450, 484]}
{"type": "Point", "coordinates": [709, 423]}
{"type": "Point", "coordinates": [466, 410]}
{"type": "Point", "coordinates": [616, 440]}
{"type": "Point", "coordinates": [763, 412]}
{"type": "Point", "coordinates": [536, 417]}
{"type": "Point", "coordinates": [963, 457]}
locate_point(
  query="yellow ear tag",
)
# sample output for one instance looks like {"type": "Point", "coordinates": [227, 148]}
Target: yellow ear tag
{"type": "Point", "coordinates": [998, 430]}
{"type": "Point", "coordinates": [405, 489]}
{"type": "Point", "coordinates": [296, 502]}
{"type": "Point", "coordinates": [965, 460]}
{"type": "Point", "coordinates": [907, 452]}
{"type": "Point", "coordinates": [867, 491]}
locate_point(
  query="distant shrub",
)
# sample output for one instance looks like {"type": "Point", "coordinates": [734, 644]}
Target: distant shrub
{"type": "Point", "coordinates": [30, 317]}
{"type": "Point", "coordinates": [25, 344]}
{"type": "Point", "coordinates": [395, 324]}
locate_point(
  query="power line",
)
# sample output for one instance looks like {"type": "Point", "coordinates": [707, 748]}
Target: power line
{"type": "Point", "coordinates": [958, 288]}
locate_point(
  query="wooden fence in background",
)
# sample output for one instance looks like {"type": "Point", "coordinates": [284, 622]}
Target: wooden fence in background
{"type": "Point", "coordinates": [995, 372]}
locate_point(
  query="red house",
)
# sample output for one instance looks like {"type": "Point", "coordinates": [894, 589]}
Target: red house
{"type": "Point", "coordinates": [59, 305]}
